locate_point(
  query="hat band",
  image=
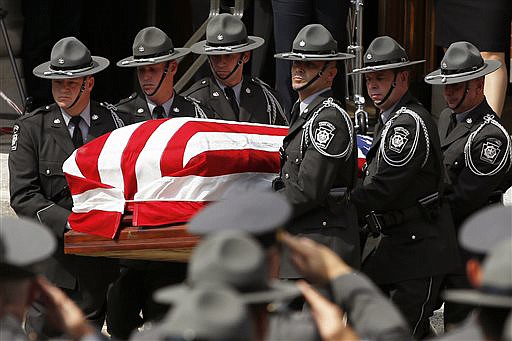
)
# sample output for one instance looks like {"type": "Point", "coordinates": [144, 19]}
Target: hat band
{"type": "Point", "coordinates": [487, 289]}
{"type": "Point", "coordinates": [209, 46]}
{"type": "Point", "coordinates": [454, 75]}
{"type": "Point", "coordinates": [386, 62]}
{"type": "Point", "coordinates": [459, 71]}
{"type": "Point", "coordinates": [68, 70]}
{"type": "Point", "coordinates": [309, 55]}
{"type": "Point", "coordinates": [151, 58]}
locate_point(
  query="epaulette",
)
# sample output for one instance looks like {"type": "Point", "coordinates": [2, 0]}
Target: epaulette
{"type": "Point", "coordinates": [41, 110]}
{"type": "Point", "coordinates": [191, 100]}
{"type": "Point", "coordinates": [195, 87]}
{"type": "Point", "coordinates": [260, 82]}
{"type": "Point", "coordinates": [127, 99]}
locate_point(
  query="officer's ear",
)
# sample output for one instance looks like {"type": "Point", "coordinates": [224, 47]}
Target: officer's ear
{"type": "Point", "coordinates": [173, 67]}
{"type": "Point", "coordinates": [331, 71]}
{"type": "Point", "coordinates": [246, 56]}
{"type": "Point", "coordinates": [89, 83]}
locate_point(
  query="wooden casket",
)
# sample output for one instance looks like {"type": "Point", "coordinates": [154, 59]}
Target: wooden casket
{"type": "Point", "coordinates": [168, 243]}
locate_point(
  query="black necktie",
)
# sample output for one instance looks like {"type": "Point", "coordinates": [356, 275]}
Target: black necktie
{"type": "Point", "coordinates": [77, 138]}
{"type": "Point", "coordinates": [452, 124]}
{"type": "Point", "coordinates": [230, 94]}
{"type": "Point", "coordinates": [158, 112]}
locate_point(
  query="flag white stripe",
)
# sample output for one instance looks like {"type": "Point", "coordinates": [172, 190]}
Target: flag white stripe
{"type": "Point", "coordinates": [109, 160]}
{"type": "Point", "coordinates": [208, 141]}
{"type": "Point", "coordinates": [147, 167]}
{"type": "Point", "coordinates": [103, 199]}
{"type": "Point", "coordinates": [70, 167]}
{"type": "Point", "coordinates": [199, 188]}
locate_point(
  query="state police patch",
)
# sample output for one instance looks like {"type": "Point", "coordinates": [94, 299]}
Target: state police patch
{"type": "Point", "coordinates": [14, 141]}
{"type": "Point", "coordinates": [399, 139]}
{"type": "Point", "coordinates": [490, 150]}
{"type": "Point", "coordinates": [324, 134]}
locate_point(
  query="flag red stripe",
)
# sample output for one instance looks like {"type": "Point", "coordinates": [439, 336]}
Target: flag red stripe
{"type": "Point", "coordinates": [96, 222]}
{"type": "Point", "coordinates": [87, 158]}
{"type": "Point", "coordinates": [157, 213]}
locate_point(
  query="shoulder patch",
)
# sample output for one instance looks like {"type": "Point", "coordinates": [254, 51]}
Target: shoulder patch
{"type": "Point", "coordinates": [324, 133]}
{"type": "Point", "coordinates": [399, 139]}
{"type": "Point", "coordinates": [490, 150]}
{"type": "Point", "coordinates": [14, 140]}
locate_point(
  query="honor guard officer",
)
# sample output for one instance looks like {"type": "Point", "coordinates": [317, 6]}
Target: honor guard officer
{"type": "Point", "coordinates": [230, 94]}
{"type": "Point", "coordinates": [41, 142]}
{"type": "Point", "coordinates": [318, 157]}
{"type": "Point", "coordinates": [476, 147]}
{"type": "Point", "coordinates": [399, 197]}
{"type": "Point", "coordinates": [155, 58]}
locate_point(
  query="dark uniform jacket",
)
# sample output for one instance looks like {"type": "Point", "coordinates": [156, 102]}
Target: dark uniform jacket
{"type": "Point", "coordinates": [40, 145]}
{"type": "Point", "coordinates": [403, 168]}
{"type": "Point", "coordinates": [137, 108]}
{"type": "Point", "coordinates": [472, 178]}
{"type": "Point", "coordinates": [319, 156]}
{"type": "Point", "coordinates": [258, 102]}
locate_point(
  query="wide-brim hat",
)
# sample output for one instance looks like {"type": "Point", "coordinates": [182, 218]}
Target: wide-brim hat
{"type": "Point", "coordinates": [225, 34]}
{"type": "Point", "coordinates": [207, 313]}
{"type": "Point", "coordinates": [233, 259]}
{"type": "Point", "coordinates": [461, 62]}
{"type": "Point", "coordinates": [152, 46]}
{"type": "Point", "coordinates": [260, 214]}
{"type": "Point", "coordinates": [384, 53]}
{"type": "Point", "coordinates": [70, 58]}
{"type": "Point", "coordinates": [23, 243]}
{"type": "Point", "coordinates": [314, 42]}
{"type": "Point", "coordinates": [496, 287]}
{"type": "Point", "coordinates": [486, 228]}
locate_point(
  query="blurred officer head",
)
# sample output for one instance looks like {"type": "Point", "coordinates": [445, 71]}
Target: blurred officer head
{"type": "Point", "coordinates": [385, 71]}
{"type": "Point", "coordinates": [70, 68]}
{"type": "Point", "coordinates": [155, 57]}
{"type": "Point", "coordinates": [22, 244]}
{"type": "Point", "coordinates": [228, 47]}
{"type": "Point", "coordinates": [233, 259]}
{"type": "Point", "coordinates": [462, 74]}
{"type": "Point", "coordinates": [314, 55]}
{"type": "Point", "coordinates": [260, 214]}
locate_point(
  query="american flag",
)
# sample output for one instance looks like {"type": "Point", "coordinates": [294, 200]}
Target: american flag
{"type": "Point", "coordinates": [164, 171]}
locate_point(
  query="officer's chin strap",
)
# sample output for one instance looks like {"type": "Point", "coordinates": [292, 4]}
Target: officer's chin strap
{"type": "Point", "coordinates": [161, 80]}
{"type": "Point", "coordinates": [82, 89]}
{"type": "Point", "coordinates": [393, 85]}
{"type": "Point", "coordinates": [238, 63]}
{"type": "Point", "coordinates": [466, 90]}
{"type": "Point", "coordinates": [312, 80]}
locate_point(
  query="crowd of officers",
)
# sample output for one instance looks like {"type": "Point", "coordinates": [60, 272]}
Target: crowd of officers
{"type": "Point", "coordinates": [421, 181]}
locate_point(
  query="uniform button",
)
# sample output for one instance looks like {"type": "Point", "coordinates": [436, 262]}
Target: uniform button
{"type": "Point", "coordinates": [367, 172]}
{"type": "Point", "coordinates": [47, 171]}
{"type": "Point", "coordinates": [297, 160]}
{"type": "Point", "coordinates": [413, 237]}
{"type": "Point", "coordinates": [324, 223]}
{"type": "Point", "coordinates": [456, 163]}
{"type": "Point", "coordinates": [287, 176]}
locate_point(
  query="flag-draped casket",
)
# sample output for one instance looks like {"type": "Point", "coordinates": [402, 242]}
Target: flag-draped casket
{"type": "Point", "coordinates": [164, 171]}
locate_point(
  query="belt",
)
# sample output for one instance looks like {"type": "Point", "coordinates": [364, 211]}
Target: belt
{"type": "Point", "coordinates": [427, 207]}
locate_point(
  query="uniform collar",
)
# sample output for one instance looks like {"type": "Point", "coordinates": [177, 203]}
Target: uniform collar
{"type": "Point", "coordinates": [85, 114]}
{"type": "Point", "coordinates": [166, 105]}
{"type": "Point", "coordinates": [461, 116]}
{"type": "Point", "coordinates": [307, 101]}
{"type": "Point", "coordinates": [237, 88]}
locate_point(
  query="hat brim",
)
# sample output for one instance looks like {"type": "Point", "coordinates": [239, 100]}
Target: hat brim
{"type": "Point", "coordinates": [134, 62]}
{"type": "Point", "coordinates": [253, 42]}
{"type": "Point", "coordinates": [383, 67]}
{"type": "Point", "coordinates": [276, 291]}
{"type": "Point", "coordinates": [436, 78]}
{"type": "Point", "coordinates": [305, 56]}
{"type": "Point", "coordinates": [474, 297]}
{"type": "Point", "coordinates": [43, 70]}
